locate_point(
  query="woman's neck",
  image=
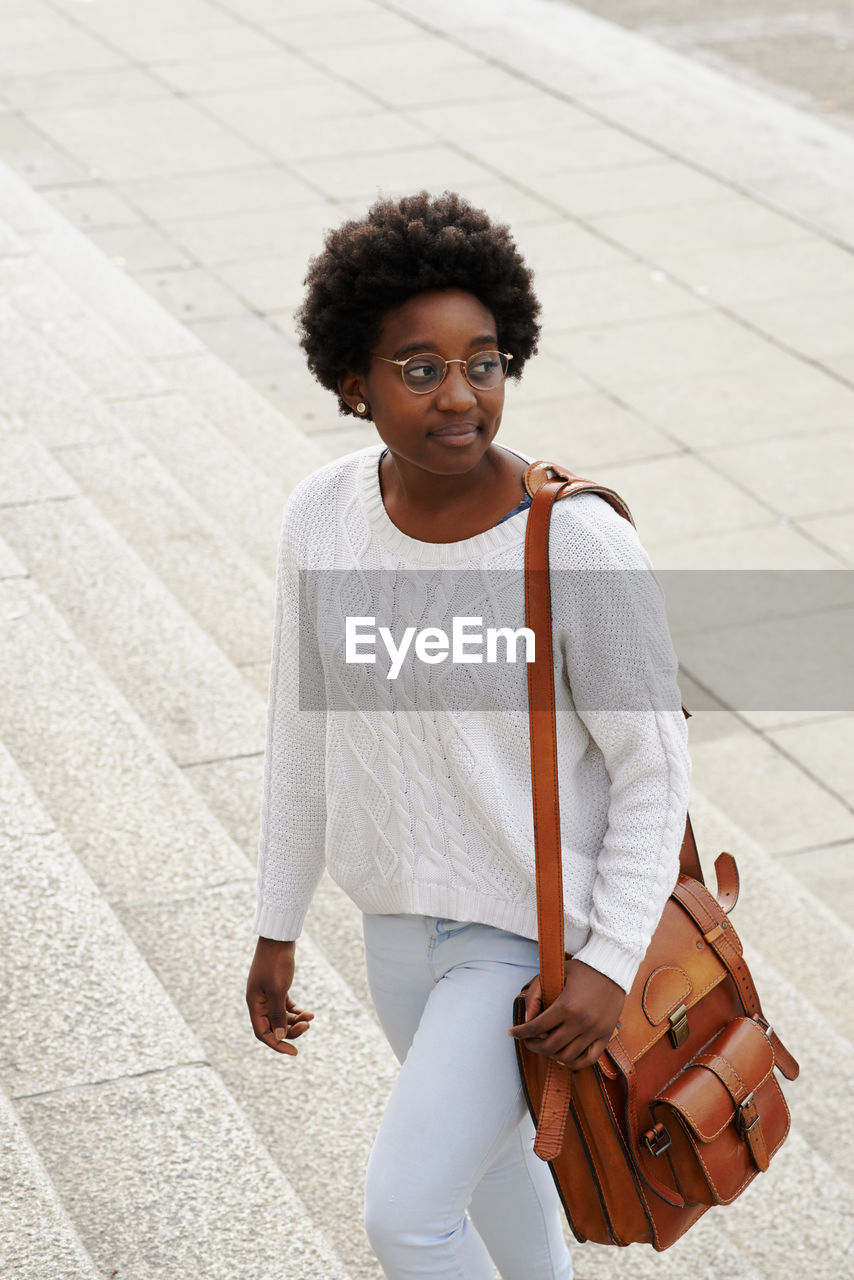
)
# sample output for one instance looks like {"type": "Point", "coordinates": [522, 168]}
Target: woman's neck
{"type": "Point", "coordinates": [443, 508]}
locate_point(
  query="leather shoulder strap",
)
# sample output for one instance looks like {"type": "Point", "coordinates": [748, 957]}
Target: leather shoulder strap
{"type": "Point", "coordinates": [547, 482]}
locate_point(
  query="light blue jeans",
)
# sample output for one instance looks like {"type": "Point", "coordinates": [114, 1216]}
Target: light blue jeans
{"type": "Point", "coordinates": [456, 1134]}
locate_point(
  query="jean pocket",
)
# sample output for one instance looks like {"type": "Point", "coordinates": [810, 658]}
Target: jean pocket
{"type": "Point", "coordinates": [447, 927]}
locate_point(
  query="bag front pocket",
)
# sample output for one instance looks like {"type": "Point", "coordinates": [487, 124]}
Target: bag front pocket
{"type": "Point", "coordinates": [723, 1117]}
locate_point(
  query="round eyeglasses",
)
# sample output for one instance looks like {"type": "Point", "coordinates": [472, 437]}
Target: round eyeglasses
{"type": "Point", "coordinates": [426, 371]}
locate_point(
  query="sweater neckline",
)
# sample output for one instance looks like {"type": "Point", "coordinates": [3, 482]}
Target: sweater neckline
{"type": "Point", "coordinates": [508, 533]}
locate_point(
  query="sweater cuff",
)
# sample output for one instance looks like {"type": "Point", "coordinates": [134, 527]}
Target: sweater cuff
{"type": "Point", "coordinates": [605, 956]}
{"type": "Point", "coordinates": [283, 926]}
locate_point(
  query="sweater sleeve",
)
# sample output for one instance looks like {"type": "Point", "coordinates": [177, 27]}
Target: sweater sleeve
{"type": "Point", "coordinates": [291, 850]}
{"type": "Point", "coordinates": [621, 669]}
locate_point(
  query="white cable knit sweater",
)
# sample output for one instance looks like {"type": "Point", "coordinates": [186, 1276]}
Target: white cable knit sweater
{"type": "Point", "coordinates": [416, 792]}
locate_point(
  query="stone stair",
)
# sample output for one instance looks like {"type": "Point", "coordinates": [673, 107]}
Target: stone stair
{"type": "Point", "coordinates": [145, 1131]}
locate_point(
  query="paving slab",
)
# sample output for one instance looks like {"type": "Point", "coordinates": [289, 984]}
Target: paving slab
{"type": "Point", "coordinates": [64, 87]}
{"type": "Point", "coordinates": [190, 293]}
{"type": "Point", "coordinates": [626, 357]}
{"type": "Point", "coordinates": [162, 1175]}
{"type": "Point", "coordinates": [698, 500]}
{"type": "Point", "coordinates": [139, 247]}
{"type": "Point", "coordinates": [398, 172]}
{"type": "Point", "coordinates": [835, 532]}
{"type": "Point", "coordinates": [740, 277]}
{"type": "Point", "coordinates": [171, 198]}
{"type": "Point", "coordinates": [37, 1239]}
{"type": "Point", "coordinates": [826, 872]}
{"type": "Point", "coordinates": [588, 432]}
{"type": "Point", "coordinates": [40, 49]}
{"type": "Point", "coordinates": [170, 670]}
{"type": "Point", "coordinates": [256, 233]}
{"type": "Point", "coordinates": [201, 76]}
{"type": "Point", "coordinates": [91, 205]}
{"type": "Point", "coordinates": [267, 114]}
{"type": "Point", "coordinates": [127, 141]}
{"type": "Point", "coordinates": [810, 817]}
{"type": "Point", "coordinates": [656, 183]}
{"type": "Point", "coordinates": [548, 160]}
{"type": "Point", "coordinates": [156, 43]}
{"type": "Point", "coordinates": [563, 245]}
{"type": "Point", "coordinates": [776, 544]}
{"type": "Point", "coordinates": [250, 343]}
{"type": "Point", "coordinates": [609, 295]}
{"type": "Point", "coordinates": [801, 475]}
{"type": "Point", "coordinates": [510, 203]}
{"type": "Point", "coordinates": [37, 159]}
{"type": "Point", "coordinates": [826, 748]}
{"type": "Point", "coordinates": [266, 284]}
{"type": "Point", "coordinates": [774, 395]}
{"type": "Point", "coordinates": [134, 821]}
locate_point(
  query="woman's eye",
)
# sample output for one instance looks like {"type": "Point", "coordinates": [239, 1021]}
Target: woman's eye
{"type": "Point", "coordinates": [483, 365]}
{"type": "Point", "coordinates": [422, 370]}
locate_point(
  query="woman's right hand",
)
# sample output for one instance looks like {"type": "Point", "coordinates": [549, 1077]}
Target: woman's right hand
{"type": "Point", "coordinates": [274, 1016]}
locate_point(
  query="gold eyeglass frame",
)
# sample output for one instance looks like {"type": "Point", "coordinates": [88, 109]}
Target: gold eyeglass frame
{"type": "Point", "coordinates": [465, 363]}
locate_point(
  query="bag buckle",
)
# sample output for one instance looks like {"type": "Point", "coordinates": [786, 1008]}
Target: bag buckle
{"type": "Point", "coordinates": [657, 1140]}
{"type": "Point", "coordinates": [679, 1029]}
{"type": "Point", "coordinates": [743, 1127]}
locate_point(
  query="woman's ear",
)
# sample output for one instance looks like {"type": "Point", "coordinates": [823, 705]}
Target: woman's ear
{"type": "Point", "coordinates": [352, 390]}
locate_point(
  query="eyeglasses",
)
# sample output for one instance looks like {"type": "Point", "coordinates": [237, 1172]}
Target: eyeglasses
{"type": "Point", "coordinates": [426, 371]}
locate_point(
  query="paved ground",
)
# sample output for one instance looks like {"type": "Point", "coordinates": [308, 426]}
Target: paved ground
{"type": "Point", "coordinates": [801, 50]}
{"type": "Point", "coordinates": [693, 243]}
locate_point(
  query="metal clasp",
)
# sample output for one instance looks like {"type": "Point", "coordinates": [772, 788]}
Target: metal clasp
{"type": "Point", "coordinates": [657, 1140]}
{"type": "Point", "coordinates": [744, 1127]}
{"type": "Point", "coordinates": [679, 1029]}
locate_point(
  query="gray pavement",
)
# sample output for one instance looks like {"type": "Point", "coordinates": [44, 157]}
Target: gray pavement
{"type": "Point", "coordinates": [176, 164]}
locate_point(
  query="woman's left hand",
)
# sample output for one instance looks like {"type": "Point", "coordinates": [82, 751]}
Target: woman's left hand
{"type": "Point", "coordinates": [578, 1025]}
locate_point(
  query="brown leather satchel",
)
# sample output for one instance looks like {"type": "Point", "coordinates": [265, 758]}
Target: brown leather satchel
{"type": "Point", "coordinates": [683, 1108]}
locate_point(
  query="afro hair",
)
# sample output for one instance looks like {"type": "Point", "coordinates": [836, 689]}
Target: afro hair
{"type": "Point", "coordinates": [398, 249]}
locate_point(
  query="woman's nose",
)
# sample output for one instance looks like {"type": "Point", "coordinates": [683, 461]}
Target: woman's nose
{"type": "Point", "coordinates": [456, 392]}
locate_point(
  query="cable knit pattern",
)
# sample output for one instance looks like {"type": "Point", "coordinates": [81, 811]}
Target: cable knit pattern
{"type": "Point", "coordinates": [416, 792]}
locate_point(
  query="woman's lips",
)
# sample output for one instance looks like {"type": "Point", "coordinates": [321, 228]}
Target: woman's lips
{"type": "Point", "coordinates": [458, 433]}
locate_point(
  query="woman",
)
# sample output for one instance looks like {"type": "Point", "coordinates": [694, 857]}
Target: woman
{"type": "Point", "coordinates": [403, 766]}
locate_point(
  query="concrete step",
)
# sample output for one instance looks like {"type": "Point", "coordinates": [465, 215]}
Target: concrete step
{"type": "Point", "coordinates": [154, 850]}
{"type": "Point", "coordinates": [37, 1238]}
{"type": "Point", "coordinates": [792, 928]}
{"type": "Point", "coordinates": [148, 1153]}
{"type": "Point", "coordinates": [183, 685]}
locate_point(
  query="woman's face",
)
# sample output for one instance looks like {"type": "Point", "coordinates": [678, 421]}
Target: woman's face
{"type": "Point", "coordinates": [446, 431]}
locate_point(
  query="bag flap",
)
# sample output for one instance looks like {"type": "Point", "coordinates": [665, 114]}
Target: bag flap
{"type": "Point", "coordinates": [732, 1066]}
{"type": "Point", "coordinates": [678, 968]}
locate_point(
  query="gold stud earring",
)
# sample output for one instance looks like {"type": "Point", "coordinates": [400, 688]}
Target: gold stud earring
{"type": "Point", "coordinates": [361, 407]}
